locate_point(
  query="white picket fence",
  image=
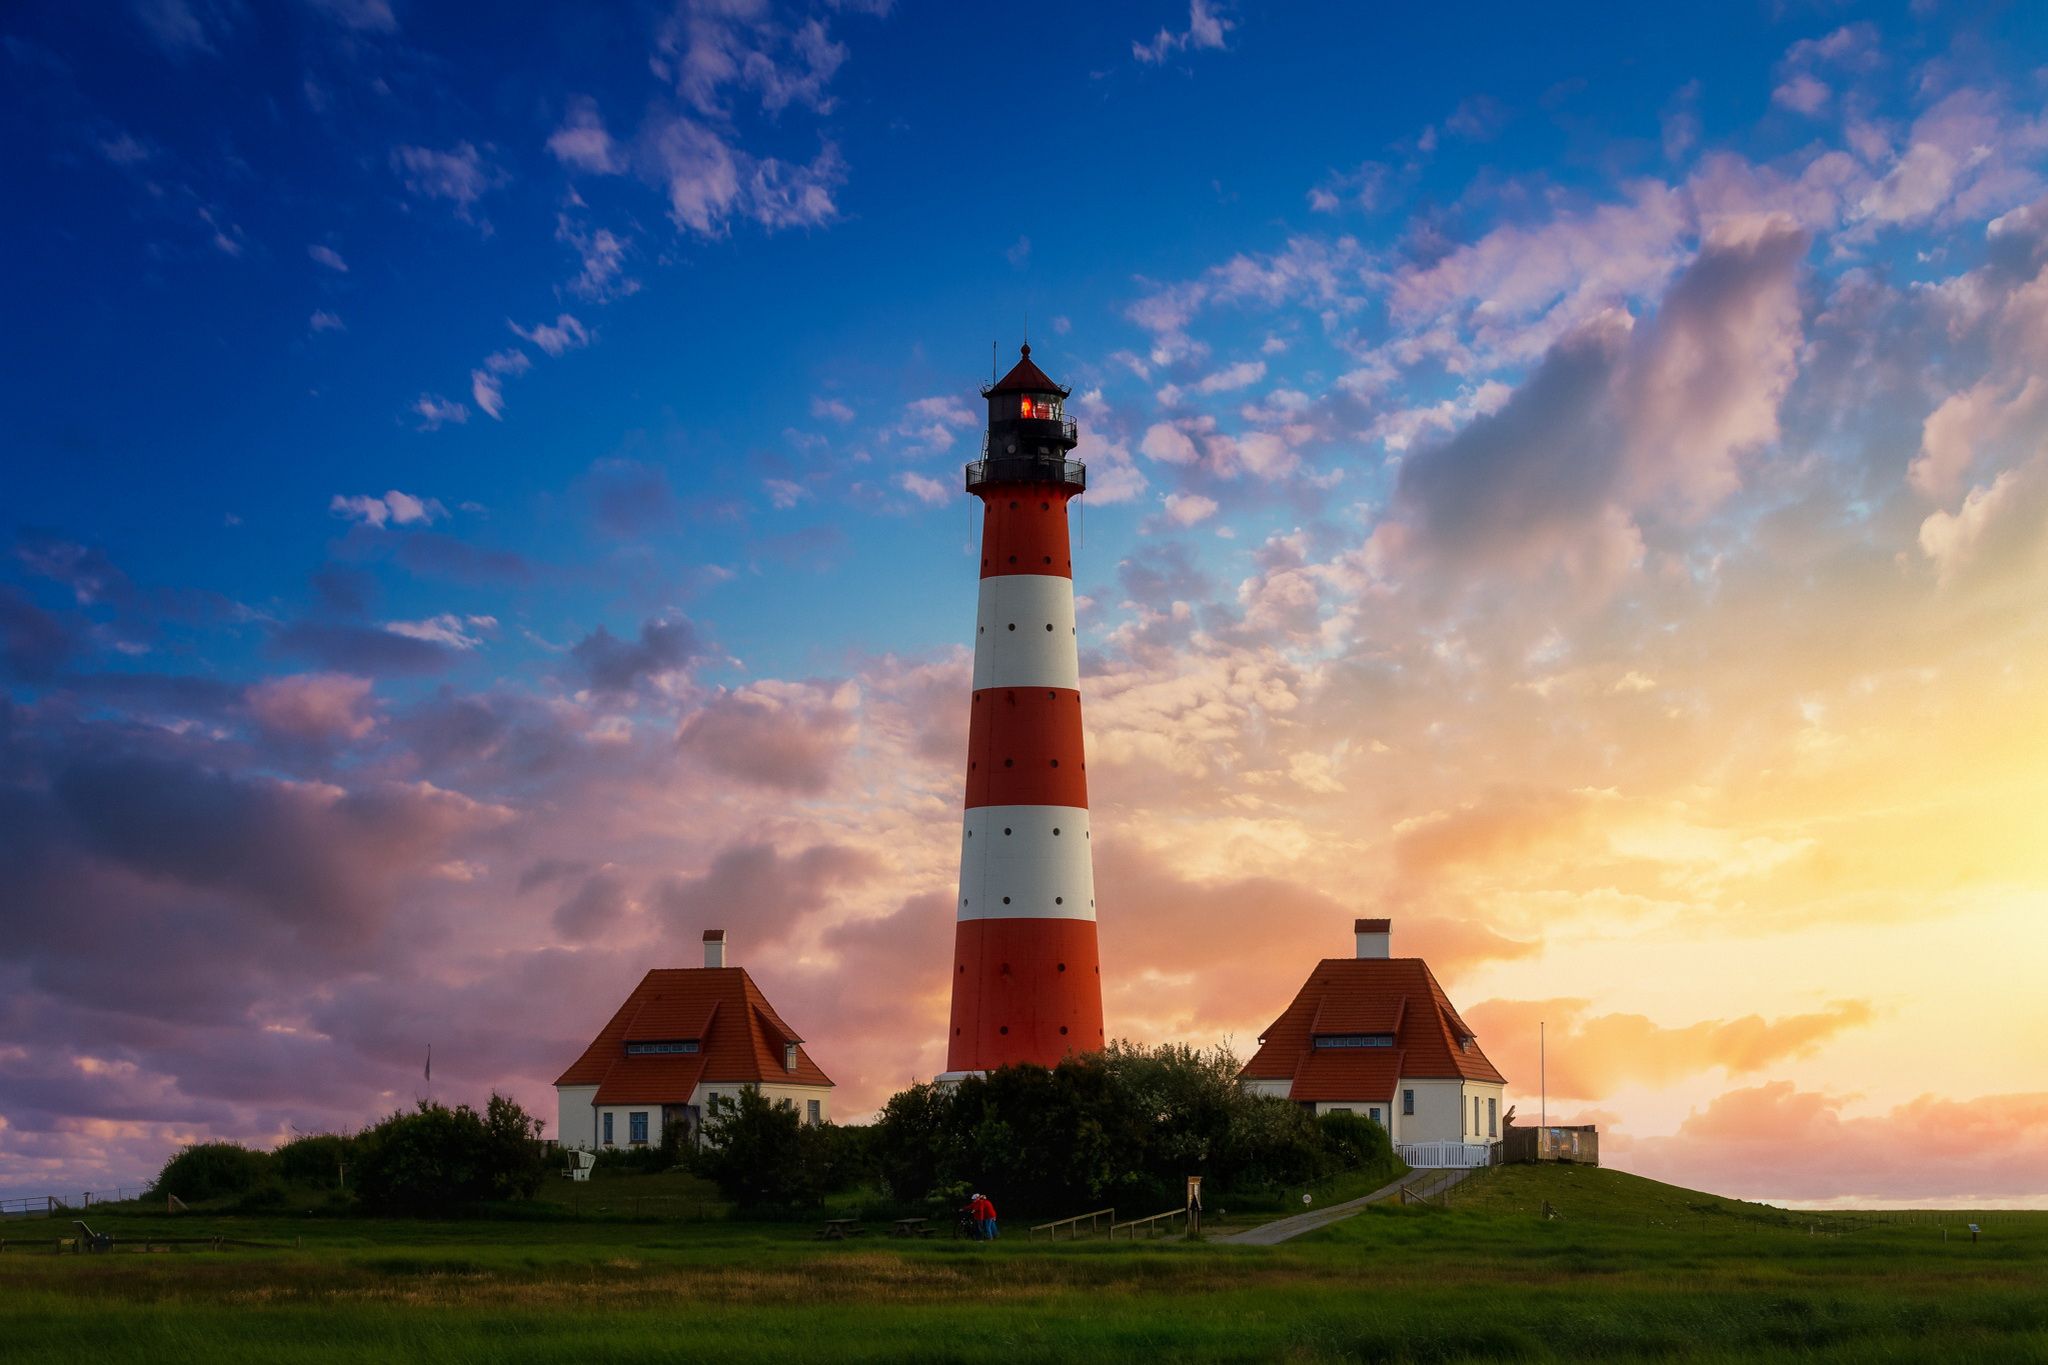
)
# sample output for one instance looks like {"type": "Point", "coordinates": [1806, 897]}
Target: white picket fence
{"type": "Point", "coordinates": [1437, 1156]}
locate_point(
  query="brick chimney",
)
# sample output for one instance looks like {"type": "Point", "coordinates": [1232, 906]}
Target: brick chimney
{"type": "Point", "coordinates": [714, 947]}
{"type": "Point", "coordinates": [1374, 936]}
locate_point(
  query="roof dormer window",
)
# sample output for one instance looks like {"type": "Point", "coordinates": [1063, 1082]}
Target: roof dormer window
{"type": "Point", "coordinates": [1354, 1040]}
{"type": "Point", "coordinates": [666, 1046]}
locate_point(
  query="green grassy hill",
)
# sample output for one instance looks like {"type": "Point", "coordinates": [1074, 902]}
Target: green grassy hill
{"type": "Point", "coordinates": [1599, 1194]}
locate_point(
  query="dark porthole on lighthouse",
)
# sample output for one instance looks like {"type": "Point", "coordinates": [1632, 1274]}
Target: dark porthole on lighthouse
{"type": "Point", "coordinates": [1063, 1028]}
{"type": "Point", "coordinates": [1004, 1029]}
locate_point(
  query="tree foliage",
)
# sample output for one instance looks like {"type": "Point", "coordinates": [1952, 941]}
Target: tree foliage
{"type": "Point", "coordinates": [212, 1170]}
{"type": "Point", "coordinates": [437, 1160]}
{"type": "Point", "coordinates": [763, 1156]}
{"type": "Point", "coordinates": [1122, 1127]}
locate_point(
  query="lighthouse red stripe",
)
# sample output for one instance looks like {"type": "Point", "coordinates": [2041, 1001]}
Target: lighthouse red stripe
{"type": "Point", "coordinates": [1024, 748]}
{"type": "Point", "coordinates": [1024, 990]}
{"type": "Point", "coordinates": [1025, 531]}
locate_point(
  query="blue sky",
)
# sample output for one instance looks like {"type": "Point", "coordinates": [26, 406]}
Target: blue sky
{"type": "Point", "coordinates": [483, 497]}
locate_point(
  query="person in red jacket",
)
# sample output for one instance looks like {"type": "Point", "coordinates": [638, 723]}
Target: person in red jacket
{"type": "Point", "coordinates": [984, 1213]}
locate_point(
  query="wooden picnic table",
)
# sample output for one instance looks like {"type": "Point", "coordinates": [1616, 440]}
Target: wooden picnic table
{"type": "Point", "coordinates": [911, 1227]}
{"type": "Point", "coordinates": [838, 1229]}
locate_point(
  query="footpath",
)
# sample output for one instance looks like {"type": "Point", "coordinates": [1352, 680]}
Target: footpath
{"type": "Point", "coordinates": [1425, 1183]}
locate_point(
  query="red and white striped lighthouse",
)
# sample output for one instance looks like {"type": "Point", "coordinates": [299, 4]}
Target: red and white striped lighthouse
{"type": "Point", "coordinates": [1027, 983]}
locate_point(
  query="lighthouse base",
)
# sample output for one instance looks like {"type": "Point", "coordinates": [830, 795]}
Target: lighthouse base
{"type": "Point", "coordinates": [1024, 990]}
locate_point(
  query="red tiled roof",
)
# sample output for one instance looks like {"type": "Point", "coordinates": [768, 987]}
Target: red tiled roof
{"type": "Point", "coordinates": [741, 1036]}
{"type": "Point", "coordinates": [1397, 995]}
{"type": "Point", "coordinates": [1025, 377]}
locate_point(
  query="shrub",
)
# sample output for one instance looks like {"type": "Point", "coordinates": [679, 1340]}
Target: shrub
{"type": "Point", "coordinates": [315, 1160]}
{"type": "Point", "coordinates": [437, 1160]}
{"type": "Point", "coordinates": [212, 1170]}
{"type": "Point", "coordinates": [1122, 1127]}
{"type": "Point", "coordinates": [763, 1156]}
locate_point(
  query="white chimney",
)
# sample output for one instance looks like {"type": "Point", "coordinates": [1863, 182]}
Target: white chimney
{"type": "Point", "coordinates": [714, 948]}
{"type": "Point", "coordinates": [1374, 937]}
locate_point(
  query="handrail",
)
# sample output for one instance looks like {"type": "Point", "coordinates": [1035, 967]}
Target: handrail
{"type": "Point", "coordinates": [1146, 1223]}
{"type": "Point", "coordinates": [1052, 1229]}
{"type": "Point", "coordinates": [1026, 469]}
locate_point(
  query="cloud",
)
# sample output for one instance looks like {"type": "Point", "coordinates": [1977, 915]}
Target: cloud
{"type": "Point", "coordinates": [314, 706]}
{"type": "Point", "coordinates": [459, 175]}
{"type": "Point", "coordinates": [456, 632]}
{"type": "Point", "coordinates": [928, 491]}
{"type": "Point", "coordinates": [324, 321]}
{"type": "Point", "coordinates": [582, 143]}
{"type": "Point", "coordinates": [709, 180]}
{"type": "Point", "coordinates": [1802, 94]}
{"type": "Point", "coordinates": [1205, 29]}
{"type": "Point", "coordinates": [487, 393]}
{"type": "Point", "coordinates": [1591, 1056]}
{"type": "Point", "coordinates": [1618, 420]}
{"type": "Point", "coordinates": [363, 16]}
{"type": "Point", "coordinates": [328, 256]}
{"type": "Point", "coordinates": [559, 337]}
{"type": "Point", "coordinates": [610, 664]}
{"type": "Point", "coordinates": [361, 649]}
{"type": "Point", "coordinates": [1168, 444]}
{"type": "Point", "coordinates": [393, 508]}
{"type": "Point", "coordinates": [597, 908]}
{"type": "Point", "coordinates": [710, 48]}
{"type": "Point", "coordinates": [760, 893]}
{"type": "Point", "coordinates": [628, 497]}
{"type": "Point", "coordinates": [602, 254]}
{"type": "Point", "coordinates": [1185, 509]}
{"type": "Point", "coordinates": [33, 643]}
{"type": "Point", "coordinates": [788, 737]}
{"type": "Point", "coordinates": [831, 409]}
{"type": "Point", "coordinates": [1778, 1141]}
{"type": "Point", "coordinates": [435, 412]}
{"type": "Point", "coordinates": [184, 27]}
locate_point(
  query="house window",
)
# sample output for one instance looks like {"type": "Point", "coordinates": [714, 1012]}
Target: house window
{"type": "Point", "coordinates": [677, 1045]}
{"type": "Point", "coordinates": [607, 1130]}
{"type": "Point", "coordinates": [1374, 1114]}
{"type": "Point", "coordinates": [1475, 1116]}
{"type": "Point", "coordinates": [636, 1127]}
{"type": "Point", "coordinates": [1493, 1118]}
{"type": "Point", "coordinates": [1408, 1101]}
{"type": "Point", "coordinates": [1354, 1040]}
{"type": "Point", "coordinates": [1334, 1109]}
{"type": "Point", "coordinates": [814, 1113]}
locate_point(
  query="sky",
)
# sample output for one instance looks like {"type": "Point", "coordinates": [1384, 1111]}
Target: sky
{"type": "Point", "coordinates": [482, 505]}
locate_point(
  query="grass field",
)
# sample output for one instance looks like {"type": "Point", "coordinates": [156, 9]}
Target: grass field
{"type": "Point", "coordinates": [1632, 1270]}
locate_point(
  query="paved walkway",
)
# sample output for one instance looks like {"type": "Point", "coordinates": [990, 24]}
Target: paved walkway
{"type": "Point", "coordinates": [1286, 1229]}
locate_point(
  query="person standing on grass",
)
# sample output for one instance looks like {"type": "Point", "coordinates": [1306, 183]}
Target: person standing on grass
{"type": "Point", "coordinates": [986, 1214]}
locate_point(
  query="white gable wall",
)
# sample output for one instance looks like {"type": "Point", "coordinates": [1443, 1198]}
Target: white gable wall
{"type": "Point", "coordinates": [575, 1125]}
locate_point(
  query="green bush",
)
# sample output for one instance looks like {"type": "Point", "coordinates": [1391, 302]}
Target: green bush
{"type": "Point", "coordinates": [1124, 1127]}
{"type": "Point", "coordinates": [212, 1170]}
{"type": "Point", "coordinates": [315, 1161]}
{"type": "Point", "coordinates": [437, 1160]}
{"type": "Point", "coordinates": [765, 1158]}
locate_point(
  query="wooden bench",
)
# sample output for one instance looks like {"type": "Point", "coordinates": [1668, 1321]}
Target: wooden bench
{"type": "Point", "coordinates": [839, 1229]}
{"type": "Point", "coordinates": [912, 1227]}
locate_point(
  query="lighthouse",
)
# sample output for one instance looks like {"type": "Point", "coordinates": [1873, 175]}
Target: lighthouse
{"type": "Point", "coordinates": [1027, 981]}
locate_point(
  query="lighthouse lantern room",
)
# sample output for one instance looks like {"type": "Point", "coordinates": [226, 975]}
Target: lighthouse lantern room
{"type": "Point", "coordinates": [1027, 980]}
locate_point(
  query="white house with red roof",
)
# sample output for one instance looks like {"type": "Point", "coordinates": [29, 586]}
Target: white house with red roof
{"type": "Point", "coordinates": [1375, 1035]}
{"type": "Point", "coordinates": [684, 1038]}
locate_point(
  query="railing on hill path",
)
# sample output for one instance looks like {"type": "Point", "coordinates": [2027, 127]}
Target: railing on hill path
{"type": "Point", "coordinates": [32, 1206]}
{"type": "Point", "coordinates": [1151, 1225]}
{"type": "Point", "coordinates": [1052, 1229]}
{"type": "Point", "coordinates": [1441, 1156]}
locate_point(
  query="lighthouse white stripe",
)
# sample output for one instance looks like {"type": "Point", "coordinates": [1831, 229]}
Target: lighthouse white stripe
{"type": "Point", "coordinates": [1012, 647]}
{"type": "Point", "coordinates": [1045, 875]}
